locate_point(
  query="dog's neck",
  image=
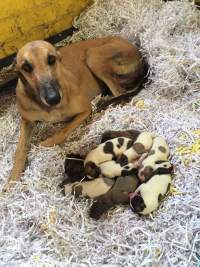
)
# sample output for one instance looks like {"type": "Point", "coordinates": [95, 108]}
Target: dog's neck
{"type": "Point", "coordinates": [67, 81]}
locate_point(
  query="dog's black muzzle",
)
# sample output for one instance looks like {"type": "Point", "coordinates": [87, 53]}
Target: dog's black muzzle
{"type": "Point", "coordinates": [49, 91]}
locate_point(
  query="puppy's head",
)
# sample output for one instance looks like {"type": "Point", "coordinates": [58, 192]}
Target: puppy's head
{"type": "Point", "coordinates": [74, 168]}
{"type": "Point", "coordinates": [163, 167]}
{"type": "Point", "coordinates": [137, 203]}
{"type": "Point", "coordinates": [38, 68]}
{"type": "Point", "coordinates": [92, 170]}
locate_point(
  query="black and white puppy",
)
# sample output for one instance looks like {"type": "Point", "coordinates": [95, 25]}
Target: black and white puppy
{"type": "Point", "coordinates": [90, 189]}
{"type": "Point", "coordinates": [148, 195]}
{"type": "Point", "coordinates": [142, 144]}
{"type": "Point", "coordinates": [112, 169]}
{"type": "Point", "coordinates": [155, 159]}
{"type": "Point", "coordinates": [105, 152]}
{"type": "Point", "coordinates": [158, 167]}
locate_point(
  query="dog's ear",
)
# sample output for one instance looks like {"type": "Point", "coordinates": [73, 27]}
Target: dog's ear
{"type": "Point", "coordinates": [59, 55]}
{"type": "Point", "coordinates": [14, 63]}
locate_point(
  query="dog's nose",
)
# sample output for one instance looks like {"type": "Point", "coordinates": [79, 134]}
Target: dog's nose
{"type": "Point", "coordinates": [53, 97]}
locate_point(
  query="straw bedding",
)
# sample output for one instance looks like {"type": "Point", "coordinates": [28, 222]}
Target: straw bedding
{"type": "Point", "coordinates": [41, 227]}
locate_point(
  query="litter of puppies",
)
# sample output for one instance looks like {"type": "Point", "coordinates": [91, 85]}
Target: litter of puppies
{"type": "Point", "coordinates": [128, 167]}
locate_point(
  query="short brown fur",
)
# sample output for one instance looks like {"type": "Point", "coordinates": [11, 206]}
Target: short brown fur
{"type": "Point", "coordinates": [113, 60]}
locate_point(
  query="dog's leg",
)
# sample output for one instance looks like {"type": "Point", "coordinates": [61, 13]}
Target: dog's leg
{"type": "Point", "coordinates": [26, 130]}
{"type": "Point", "coordinates": [61, 136]}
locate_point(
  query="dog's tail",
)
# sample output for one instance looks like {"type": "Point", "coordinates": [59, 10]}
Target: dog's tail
{"type": "Point", "coordinates": [131, 93]}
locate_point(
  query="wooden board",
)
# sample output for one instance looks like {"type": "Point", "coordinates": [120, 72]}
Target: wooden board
{"type": "Point", "coordinates": [22, 21]}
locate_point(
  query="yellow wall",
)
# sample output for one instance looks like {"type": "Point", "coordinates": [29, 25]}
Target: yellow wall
{"type": "Point", "coordinates": [25, 20]}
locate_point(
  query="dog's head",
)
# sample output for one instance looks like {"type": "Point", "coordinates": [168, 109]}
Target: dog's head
{"type": "Point", "coordinates": [38, 68]}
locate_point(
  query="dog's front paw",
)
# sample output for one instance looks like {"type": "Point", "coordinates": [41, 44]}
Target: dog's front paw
{"type": "Point", "coordinates": [8, 188]}
{"type": "Point", "coordinates": [48, 142]}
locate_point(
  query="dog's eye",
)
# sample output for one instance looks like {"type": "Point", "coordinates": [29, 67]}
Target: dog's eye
{"type": "Point", "coordinates": [27, 66]}
{"type": "Point", "coordinates": [51, 59]}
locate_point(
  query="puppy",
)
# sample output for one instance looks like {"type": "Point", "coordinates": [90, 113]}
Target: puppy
{"type": "Point", "coordinates": [105, 152]}
{"type": "Point", "coordinates": [148, 195]}
{"type": "Point", "coordinates": [117, 195]}
{"type": "Point", "coordinates": [89, 189]}
{"type": "Point", "coordinates": [158, 167]}
{"type": "Point", "coordinates": [141, 145]}
{"type": "Point", "coordinates": [132, 134]}
{"type": "Point", "coordinates": [112, 169]}
{"type": "Point", "coordinates": [55, 86]}
{"type": "Point", "coordinates": [158, 154]}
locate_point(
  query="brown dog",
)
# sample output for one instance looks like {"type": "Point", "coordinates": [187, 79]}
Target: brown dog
{"type": "Point", "coordinates": [57, 86]}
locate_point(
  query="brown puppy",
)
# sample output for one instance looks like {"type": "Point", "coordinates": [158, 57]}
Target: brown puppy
{"type": "Point", "coordinates": [117, 195]}
{"type": "Point", "coordinates": [59, 86]}
{"type": "Point", "coordinates": [132, 134]}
